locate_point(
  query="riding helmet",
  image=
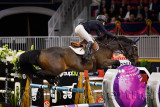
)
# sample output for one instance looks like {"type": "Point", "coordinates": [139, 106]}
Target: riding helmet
{"type": "Point", "coordinates": [101, 18]}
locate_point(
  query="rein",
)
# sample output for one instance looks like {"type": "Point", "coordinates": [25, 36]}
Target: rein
{"type": "Point", "coordinates": [105, 45]}
{"type": "Point", "coordinates": [123, 50]}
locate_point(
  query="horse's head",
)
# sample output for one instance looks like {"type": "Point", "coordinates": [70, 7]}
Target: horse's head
{"type": "Point", "coordinates": [127, 46]}
{"type": "Point", "coordinates": [129, 49]}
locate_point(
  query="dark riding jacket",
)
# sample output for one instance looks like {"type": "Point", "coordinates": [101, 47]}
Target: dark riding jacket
{"type": "Point", "coordinates": [97, 26]}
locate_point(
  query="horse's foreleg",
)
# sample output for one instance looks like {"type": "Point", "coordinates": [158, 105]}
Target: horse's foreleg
{"type": "Point", "coordinates": [42, 74]}
{"type": "Point", "coordinates": [110, 62]}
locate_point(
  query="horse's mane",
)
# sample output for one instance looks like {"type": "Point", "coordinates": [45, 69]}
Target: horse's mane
{"type": "Point", "coordinates": [124, 39]}
{"type": "Point", "coordinates": [107, 39]}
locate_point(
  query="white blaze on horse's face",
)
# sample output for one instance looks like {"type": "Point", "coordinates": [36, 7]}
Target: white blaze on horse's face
{"type": "Point", "coordinates": [134, 52]}
{"type": "Point", "coordinates": [135, 49]}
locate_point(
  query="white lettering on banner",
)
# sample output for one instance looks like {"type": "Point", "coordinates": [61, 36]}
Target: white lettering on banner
{"type": "Point", "coordinates": [69, 73]}
{"type": "Point", "coordinates": [66, 94]}
{"type": "Point", "coordinates": [34, 93]}
{"type": "Point", "coordinates": [124, 62]}
{"type": "Point", "coordinates": [54, 96]}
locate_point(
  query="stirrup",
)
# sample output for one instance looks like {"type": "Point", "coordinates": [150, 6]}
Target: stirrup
{"type": "Point", "coordinates": [89, 46]}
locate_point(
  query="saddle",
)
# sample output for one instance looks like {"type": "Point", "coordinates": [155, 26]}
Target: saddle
{"type": "Point", "coordinates": [79, 47]}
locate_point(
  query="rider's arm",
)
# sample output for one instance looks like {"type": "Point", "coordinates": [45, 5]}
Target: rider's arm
{"type": "Point", "coordinates": [105, 31]}
{"type": "Point", "coordinates": [98, 33]}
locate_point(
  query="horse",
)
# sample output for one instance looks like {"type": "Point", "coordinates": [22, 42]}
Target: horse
{"type": "Point", "coordinates": [55, 60]}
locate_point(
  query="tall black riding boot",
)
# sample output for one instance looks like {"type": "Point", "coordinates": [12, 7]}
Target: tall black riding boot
{"type": "Point", "coordinates": [87, 51]}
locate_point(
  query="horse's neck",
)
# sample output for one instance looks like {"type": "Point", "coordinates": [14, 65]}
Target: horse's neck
{"type": "Point", "coordinates": [106, 51]}
{"type": "Point", "coordinates": [114, 45]}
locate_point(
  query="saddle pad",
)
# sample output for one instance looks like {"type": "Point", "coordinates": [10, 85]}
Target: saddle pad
{"type": "Point", "coordinates": [79, 51]}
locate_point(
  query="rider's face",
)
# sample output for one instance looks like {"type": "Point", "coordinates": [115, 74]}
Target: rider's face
{"type": "Point", "coordinates": [103, 23]}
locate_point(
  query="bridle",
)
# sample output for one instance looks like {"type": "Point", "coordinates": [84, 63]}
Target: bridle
{"type": "Point", "coordinates": [105, 45]}
{"type": "Point", "coordinates": [123, 50]}
{"type": "Point", "coordinates": [129, 57]}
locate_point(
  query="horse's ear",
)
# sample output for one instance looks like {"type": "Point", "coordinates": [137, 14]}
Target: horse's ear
{"type": "Point", "coordinates": [135, 40]}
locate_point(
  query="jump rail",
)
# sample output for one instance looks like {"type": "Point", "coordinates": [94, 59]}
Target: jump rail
{"type": "Point", "coordinates": [83, 105]}
{"type": "Point", "coordinates": [80, 105]}
{"type": "Point", "coordinates": [94, 83]}
{"type": "Point", "coordinates": [6, 79]}
{"type": "Point", "coordinates": [57, 88]}
{"type": "Point", "coordinates": [4, 91]}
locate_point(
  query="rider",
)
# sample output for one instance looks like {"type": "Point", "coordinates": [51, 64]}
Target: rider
{"type": "Point", "coordinates": [83, 30]}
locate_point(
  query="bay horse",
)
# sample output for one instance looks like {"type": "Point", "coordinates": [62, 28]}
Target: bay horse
{"type": "Point", "coordinates": [55, 60]}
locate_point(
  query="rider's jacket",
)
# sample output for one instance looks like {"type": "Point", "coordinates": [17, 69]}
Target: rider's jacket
{"type": "Point", "coordinates": [97, 26]}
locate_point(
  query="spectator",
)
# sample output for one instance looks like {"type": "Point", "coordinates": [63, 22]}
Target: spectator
{"type": "Point", "coordinates": [108, 18]}
{"type": "Point", "coordinates": [95, 2]}
{"type": "Point", "coordinates": [113, 20]}
{"type": "Point", "coordinates": [123, 5]}
{"type": "Point", "coordinates": [102, 6]}
{"type": "Point", "coordinates": [141, 4]}
{"type": "Point", "coordinates": [104, 10]}
{"type": "Point", "coordinates": [140, 18]}
{"type": "Point", "coordinates": [112, 13]}
{"type": "Point", "coordinates": [139, 11]}
{"type": "Point", "coordinates": [153, 7]}
{"type": "Point", "coordinates": [150, 5]}
{"type": "Point", "coordinates": [131, 18]}
{"type": "Point", "coordinates": [120, 14]}
{"type": "Point", "coordinates": [113, 5]}
{"type": "Point", "coordinates": [147, 14]}
{"type": "Point", "coordinates": [129, 11]}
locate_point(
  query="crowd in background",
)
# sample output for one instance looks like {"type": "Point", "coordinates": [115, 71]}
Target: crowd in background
{"type": "Point", "coordinates": [125, 11]}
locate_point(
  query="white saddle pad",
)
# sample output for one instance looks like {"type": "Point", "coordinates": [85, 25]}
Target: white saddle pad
{"type": "Point", "coordinates": [79, 51]}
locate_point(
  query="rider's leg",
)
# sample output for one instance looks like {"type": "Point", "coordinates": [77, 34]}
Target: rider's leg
{"type": "Point", "coordinates": [81, 32]}
{"type": "Point", "coordinates": [87, 52]}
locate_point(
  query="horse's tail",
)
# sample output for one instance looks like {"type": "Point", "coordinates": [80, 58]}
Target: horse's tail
{"type": "Point", "coordinates": [27, 60]}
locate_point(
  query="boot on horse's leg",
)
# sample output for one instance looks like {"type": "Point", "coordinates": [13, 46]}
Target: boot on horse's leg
{"type": "Point", "coordinates": [87, 51]}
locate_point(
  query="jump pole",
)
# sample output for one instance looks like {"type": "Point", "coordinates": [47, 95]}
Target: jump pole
{"type": "Point", "coordinates": [94, 83]}
{"type": "Point", "coordinates": [57, 88]}
{"type": "Point", "coordinates": [4, 91]}
{"type": "Point", "coordinates": [83, 105]}
{"type": "Point", "coordinates": [6, 79]}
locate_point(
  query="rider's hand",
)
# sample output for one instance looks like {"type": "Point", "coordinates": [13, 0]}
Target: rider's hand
{"type": "Point", "coordinates": [116, 37]}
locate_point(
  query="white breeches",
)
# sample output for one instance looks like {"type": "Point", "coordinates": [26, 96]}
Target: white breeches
{"type": "Point", "coordinates": [81, 32]}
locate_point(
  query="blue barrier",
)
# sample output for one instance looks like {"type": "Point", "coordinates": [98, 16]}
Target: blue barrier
{"type": "Point", "coordinates": [57, 88]}
{"type": "Point", "coordinates": [94, 83]}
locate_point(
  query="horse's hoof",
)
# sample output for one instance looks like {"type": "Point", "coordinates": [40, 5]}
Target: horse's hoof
{"type": "Point", "coordinates": [118, 63]}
